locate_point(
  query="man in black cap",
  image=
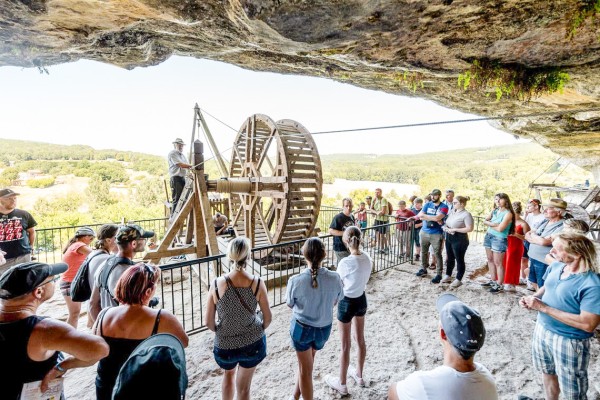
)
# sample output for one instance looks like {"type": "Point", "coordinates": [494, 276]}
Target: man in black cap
{"type": "Point", "coordinates": [178, 163]}
{"type": "Point", "coordinates": [131, 239]}
{"type": "Point", "coordinates": [462, 334]}
{"type": "Point", "coordinates": [31, 345]}
{"type": "Point", "coordinates": [17, 232]}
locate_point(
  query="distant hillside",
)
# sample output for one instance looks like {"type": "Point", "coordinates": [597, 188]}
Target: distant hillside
{"type": "Point", "coordinates": [131, 185]}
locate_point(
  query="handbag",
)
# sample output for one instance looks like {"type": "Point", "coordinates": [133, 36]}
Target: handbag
{"type": "Point", "coordinates": [258, 314]}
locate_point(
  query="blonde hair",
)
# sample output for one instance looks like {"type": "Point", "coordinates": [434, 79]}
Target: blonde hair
{"type": "Point", "coordinates": [579, 245]}
{"type": "Point", "coordinates": [238, 251]}
{"type": "Point", "coordinates": [576, 226]}
{"type": "Point", "coordinates": [462, 199]}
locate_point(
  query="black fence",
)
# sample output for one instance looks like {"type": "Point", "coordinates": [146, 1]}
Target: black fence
{"type": "Point", "coordinates": [184, 284]}
{"type": "Point", "coordinates": [49, 242]}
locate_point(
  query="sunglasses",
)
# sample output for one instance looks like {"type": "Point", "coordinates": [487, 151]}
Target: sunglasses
{"type": "Point", "coordinates": [150, 272]}
{"type": "Point", "coordinates": [54, 279]}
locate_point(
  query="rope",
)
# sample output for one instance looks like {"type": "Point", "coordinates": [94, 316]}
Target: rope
{"type": "Point", "coordinates": [563, 170]}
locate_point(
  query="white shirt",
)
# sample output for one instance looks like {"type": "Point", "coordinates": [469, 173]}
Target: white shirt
{"type": "Point", "coordinates": [355, 272]}
{"type": "Point", "coordinates": [534, 221]}
{"type": "Point", "coordinates": [176, 157]}
{"type": "Point", "coordinates": [448, 384]}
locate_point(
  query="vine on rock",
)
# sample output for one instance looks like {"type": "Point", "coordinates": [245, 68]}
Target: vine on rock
{"type": "Point", "coordinates": [512, 80]}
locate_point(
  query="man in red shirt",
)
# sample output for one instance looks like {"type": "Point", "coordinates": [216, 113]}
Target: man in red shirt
{"type": "Point", "coordinates": [403, 228]}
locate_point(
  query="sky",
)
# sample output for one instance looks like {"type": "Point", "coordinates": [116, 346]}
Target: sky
{"type": "Point", "coordinates": [145, 109]}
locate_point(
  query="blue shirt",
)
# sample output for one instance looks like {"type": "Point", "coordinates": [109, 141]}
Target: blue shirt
{"type": "Point", "coordinates": [314, 306]}
{"type": "Point", "coordinates": [432, 210]}
{"type": "Point", "coordinates": [497, 218]}
{"type": "Point", "coordinates": [576, 293]}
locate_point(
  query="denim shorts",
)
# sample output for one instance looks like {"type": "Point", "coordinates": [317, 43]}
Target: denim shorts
{"type": "Point", "coordinates": [495, 243]}
{"type": "Point", "coordinates": [537, 270]}
{"type": "Point", "coordinates": [305, 336]}
{"type": "Point", "coordinates": [349, 308]}
{"type": "Point", "coordinates": [247, 357]}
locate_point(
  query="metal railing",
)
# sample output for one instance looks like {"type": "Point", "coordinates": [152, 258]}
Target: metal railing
{"type": "Point", "coordinates": [49, 242]}
{"type": "Point", "coordinates": [184, 285]}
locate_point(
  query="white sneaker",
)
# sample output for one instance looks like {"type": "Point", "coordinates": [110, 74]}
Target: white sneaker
{"type": "Point", "coordinates": [352, 373]}
{"type": "Point", "coordinates": [456, 284]}
{"type": "Point", "coordinates": [446, 279]}
{"type": "Point", "coordinates": [334, 383]}
{"type": "Point", "coordinates": [522, 281]}
{"type": "Point", "coordinates": [509, 288]}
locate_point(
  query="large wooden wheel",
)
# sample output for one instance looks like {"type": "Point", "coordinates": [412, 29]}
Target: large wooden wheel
{"type": "Point", "coordinates": [282, 162]}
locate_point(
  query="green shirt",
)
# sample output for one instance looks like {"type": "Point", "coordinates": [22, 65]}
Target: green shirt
{"type": "Point", "coordinates": [379, 205]}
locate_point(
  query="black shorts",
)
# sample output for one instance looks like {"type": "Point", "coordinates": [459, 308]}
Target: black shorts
{"type": "Point", "coordinates": [349, 308]}
{"type": "Point", "coordinates": [381, 229]}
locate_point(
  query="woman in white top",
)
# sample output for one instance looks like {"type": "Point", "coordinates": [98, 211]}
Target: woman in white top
{"type": "Point", "coordinates": [355, 271]}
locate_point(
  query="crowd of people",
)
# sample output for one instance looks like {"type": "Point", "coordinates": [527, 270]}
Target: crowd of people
{"type": "Point", "coordinates": [542, 249]}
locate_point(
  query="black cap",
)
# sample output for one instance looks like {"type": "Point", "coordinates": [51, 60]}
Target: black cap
{"type": "Point", "coordinates": [24, 278]}
{"type": "Point", "coordinates": [8, 192]}
{"type": "Point", "coordinates": [160, 358]}
{"type": "Point", "coordinates": [463, 325]}
{"type": "Point", "coordinates": [129, 232]}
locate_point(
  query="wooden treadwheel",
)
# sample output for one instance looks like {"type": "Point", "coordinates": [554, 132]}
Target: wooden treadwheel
{"type": "Point", "coordinates": [282, 162]}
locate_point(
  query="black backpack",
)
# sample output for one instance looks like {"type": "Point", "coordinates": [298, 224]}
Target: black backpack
{"type": "Point", "coordinates": [81, 287]}
{"type": "Point", "coordinates": [109, 265]}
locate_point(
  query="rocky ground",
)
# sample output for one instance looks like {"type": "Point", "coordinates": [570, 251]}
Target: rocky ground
{"type": "Point", "coordinates": [401, 334]}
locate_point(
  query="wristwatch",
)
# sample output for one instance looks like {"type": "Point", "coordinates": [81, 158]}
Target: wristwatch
{"type": "Point", "coordinates": [59, 368]}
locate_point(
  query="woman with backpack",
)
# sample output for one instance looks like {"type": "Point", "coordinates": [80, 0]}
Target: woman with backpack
{"type": "Point", "coordinates": [74, 253]}
{"type": "Point", "coordinates": [126, 326]}
{"type": "Point", "coordinates": [311, 295]}
{"type": "Point", "coordinates": [240, 341]}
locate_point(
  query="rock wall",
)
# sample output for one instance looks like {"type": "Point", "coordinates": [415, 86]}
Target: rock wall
{"type": "Point", "coordinates": [407, 47]}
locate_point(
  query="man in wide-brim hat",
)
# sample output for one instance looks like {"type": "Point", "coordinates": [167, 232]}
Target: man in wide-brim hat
{"type": "Point", "coordinates": [178, 164]}
{"type": "Point", "coordinates": [541, 240]}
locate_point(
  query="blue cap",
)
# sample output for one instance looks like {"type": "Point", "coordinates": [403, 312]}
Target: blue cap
{"type": "Point", "coordinates": [462, 324]}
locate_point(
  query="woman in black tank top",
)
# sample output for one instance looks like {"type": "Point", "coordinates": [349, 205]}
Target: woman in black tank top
{"type": "Point", "coordinates": [126, 326]}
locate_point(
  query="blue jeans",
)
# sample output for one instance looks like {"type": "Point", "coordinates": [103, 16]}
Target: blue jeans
{"type": "Point", "coordinates": [537, 270]}
{"type": "Point", "coordinates": [305, 336]}
{"type": "Point", "coordinates": [247, 357]}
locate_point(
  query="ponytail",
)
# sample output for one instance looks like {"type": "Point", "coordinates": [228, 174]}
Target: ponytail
{"type": "Point", "coordinates": [314, 253]}
{"type": "Point", "coordinates": [351, 237]}
{"type": "Point", "coordinates": [238, 251]}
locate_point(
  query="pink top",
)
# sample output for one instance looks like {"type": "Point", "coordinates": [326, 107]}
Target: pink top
{"type": "Point", "coordinates": [73, 260]}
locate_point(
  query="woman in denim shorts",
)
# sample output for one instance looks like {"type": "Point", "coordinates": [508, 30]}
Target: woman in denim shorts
{"type": "Point", "coordinates": [240, 342]}
{"type": "Point", "coordinates": [355, 271]}
{"type": "Point", "coordinates": [311, 295]}
{"type": "Point", "coordinates": [501, 223]}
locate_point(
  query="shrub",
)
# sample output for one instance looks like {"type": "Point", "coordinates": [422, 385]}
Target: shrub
{"type": "Point", "coordinates": [40, 183]}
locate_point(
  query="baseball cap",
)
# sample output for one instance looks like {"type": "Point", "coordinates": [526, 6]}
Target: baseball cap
{"type": "Point", "coordinates": [25, 277]}
{"type": "Point", "coordinates": [8, 192]}
{"type": "Point", "coordinates": [436, 191]}
{"type": "Point", "coordinates": [463, 325]}
{"type": "Point", "coordinates": [85, 231]}
{"type": "Point", "coordinates": [160, 358]}
{"type": "Point", "coordinates": [129, 232]}
{"type": "Point", "coordinates": [556, 203]}
{"type": "Point", "coordinates": [178, 141]}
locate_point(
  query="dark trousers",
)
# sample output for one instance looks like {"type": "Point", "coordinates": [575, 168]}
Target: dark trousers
{"type": "Point", "coordinates": [177, 185]}
{"type": "Point", "coordinates": [456, 247]}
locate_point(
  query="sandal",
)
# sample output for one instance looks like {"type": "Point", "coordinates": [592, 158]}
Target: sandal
{"type": "Point", "coordinates": [334, 383]}
{"type": "Point", "coordinates": [352, 374]}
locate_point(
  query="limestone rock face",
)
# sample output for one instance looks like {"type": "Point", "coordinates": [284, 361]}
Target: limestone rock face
{"type": "Point", "coordinates": [408, 47]}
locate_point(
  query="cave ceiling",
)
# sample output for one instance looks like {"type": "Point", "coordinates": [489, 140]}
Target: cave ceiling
{"type": "Point", "coordinates": [410, 48]}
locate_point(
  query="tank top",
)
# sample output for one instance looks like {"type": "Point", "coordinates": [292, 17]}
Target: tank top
{"type": "Point", "coordinates": [237, 327]}
{"type": "Point", "coordinates": [120, 350]}
{"type": "Point", "coordinates": [73, 260]}
{"type": "Point", "coordinates": [497, 217]}
{"type": "Point", "coordinates": [14, 338]}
